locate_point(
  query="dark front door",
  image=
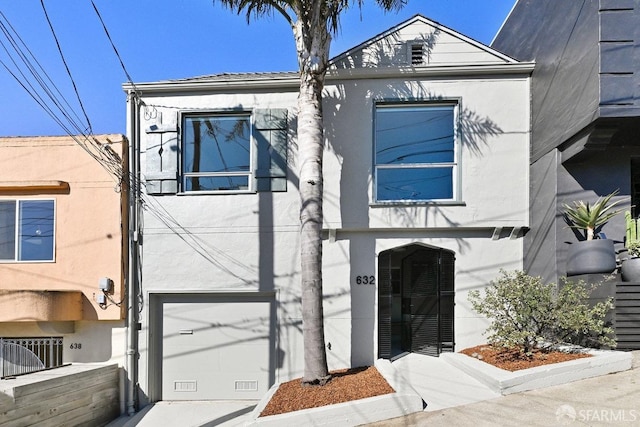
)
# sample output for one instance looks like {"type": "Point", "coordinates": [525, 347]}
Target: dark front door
{"type": "Point", "coordinates": [416, 299]}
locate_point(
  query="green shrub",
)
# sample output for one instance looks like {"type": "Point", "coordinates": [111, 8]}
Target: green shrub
{"type": "Point", "coordinates": [526, 313]}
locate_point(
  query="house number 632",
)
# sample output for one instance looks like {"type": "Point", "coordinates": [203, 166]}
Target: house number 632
{"type": "Point", "coordinates": [365, 280]}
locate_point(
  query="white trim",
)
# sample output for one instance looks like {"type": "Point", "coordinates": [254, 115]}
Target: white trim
{"type": "Point", "coordinates": [291, 80]}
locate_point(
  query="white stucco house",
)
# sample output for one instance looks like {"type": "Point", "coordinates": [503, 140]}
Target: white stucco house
{"type": "Point", "coordinates": [426, 197]}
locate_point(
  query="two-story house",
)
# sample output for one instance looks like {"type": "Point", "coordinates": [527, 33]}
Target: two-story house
{"type": "Point", "coordinates": [426, 197]}
{"type": "Point", "coordinates": [63, 250]}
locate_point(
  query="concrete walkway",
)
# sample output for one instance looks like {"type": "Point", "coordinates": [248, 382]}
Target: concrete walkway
{"type": "Point", "coordinates": [440, 384]}
{"type": "Point", "coordinates": [453, 398]}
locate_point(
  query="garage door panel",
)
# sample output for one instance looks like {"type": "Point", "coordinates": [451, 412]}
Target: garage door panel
{"type": "Point", "coordinates": [251, 355]}
{"type": "Point", "coordinates": [216, 350]}
{"type": "Point", "coordinates": [230, 322]}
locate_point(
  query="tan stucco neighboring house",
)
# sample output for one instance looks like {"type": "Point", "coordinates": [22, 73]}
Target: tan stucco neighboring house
{"type": "Point", "coordinates": [63, 253]}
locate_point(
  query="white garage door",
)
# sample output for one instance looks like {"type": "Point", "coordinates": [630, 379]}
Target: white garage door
{"type": "Point", "coordinates": [216, 347]}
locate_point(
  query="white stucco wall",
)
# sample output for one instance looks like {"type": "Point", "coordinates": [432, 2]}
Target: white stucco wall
{"type": "Point", "coordinates": [249, 242]}
{"type": "Point", "coordinates": [221, 243]}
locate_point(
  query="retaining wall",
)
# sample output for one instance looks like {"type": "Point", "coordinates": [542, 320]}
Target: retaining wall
{"type": "Point", "coordinates": [74, 395]}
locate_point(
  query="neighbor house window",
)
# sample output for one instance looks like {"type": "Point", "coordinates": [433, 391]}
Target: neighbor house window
{"type": "Point", "coordinates": [216, 152]}
{"type": "Point", "coordinates": [26, 230]}
{"type": "Point", "coordinates": [415, 152]}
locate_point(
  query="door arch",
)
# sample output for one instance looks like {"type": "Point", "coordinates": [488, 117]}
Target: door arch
{"type": "Point", "coordinates": [415, 301]}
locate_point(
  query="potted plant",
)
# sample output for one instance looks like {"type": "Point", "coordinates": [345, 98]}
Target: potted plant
{"type": "Point", "coordinates": [591, 254]}
{"type": "Point", "coordinates": [630, 267]}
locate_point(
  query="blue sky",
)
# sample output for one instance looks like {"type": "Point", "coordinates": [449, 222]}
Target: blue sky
{"type": "Point", "coordinates": [161, 39]}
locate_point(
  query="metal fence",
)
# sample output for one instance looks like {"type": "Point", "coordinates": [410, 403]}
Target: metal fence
{"type": "Point", "coordinates": [24, 355]}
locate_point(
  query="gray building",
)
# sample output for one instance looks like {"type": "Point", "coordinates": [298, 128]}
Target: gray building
{"type": "Point", "coordinates": [585, 114]}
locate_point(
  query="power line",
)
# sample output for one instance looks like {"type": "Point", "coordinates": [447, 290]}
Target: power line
{"type": "Point", "coordinates": [29, 62]}
{"type": "Point", "coordinates": [33, 78]}
{"type": "Point", "coordinates": [106, 31]}
{"type": "Point", "coordinates": [58, 108]}
{"type": "Point", "coordinates": [73, 83]}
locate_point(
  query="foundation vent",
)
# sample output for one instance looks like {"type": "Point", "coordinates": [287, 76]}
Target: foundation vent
{"type": "Point", "coordinates": [185, 386]}
{"type": "Point", "coordinates": [244, 385]}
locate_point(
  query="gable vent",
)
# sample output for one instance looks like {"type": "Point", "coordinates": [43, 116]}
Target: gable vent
{"type": "Point", "coordinates": [417, 54]}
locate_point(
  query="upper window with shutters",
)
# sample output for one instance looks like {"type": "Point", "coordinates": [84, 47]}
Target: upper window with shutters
{"type": "Point", "coordinates": [220, 153]}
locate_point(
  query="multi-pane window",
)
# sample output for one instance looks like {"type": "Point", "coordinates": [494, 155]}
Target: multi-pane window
{"type": "Point", "coordinates": [415, 152]}
{"type": "Point", "coordinates": [27, 230]}
{"type": "Point", "coordinates": [216, 152]}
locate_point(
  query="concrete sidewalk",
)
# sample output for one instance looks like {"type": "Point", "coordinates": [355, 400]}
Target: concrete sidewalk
{"type": "Point", "coordinates": [439, 384]}
{"type": "Point", "coordinates": [189, 414]}
{"type": "Point", "coordinates": [453, 398]}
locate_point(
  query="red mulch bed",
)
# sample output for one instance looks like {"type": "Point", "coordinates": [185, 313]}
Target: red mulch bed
{"type": "Point", "coordinates": [345, 385]}
{"type": "Point", "coordinates": [515, 360]}
{"type": "Point", "coordinates": [359, 383]}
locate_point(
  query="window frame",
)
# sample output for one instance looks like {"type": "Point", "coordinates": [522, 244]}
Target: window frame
{"type": "Point", "coordinates": [17, 234]}
{"type": "Point", "coordinates": [250, 173]}
{"type": "Point", "coordinates": [454, 104]}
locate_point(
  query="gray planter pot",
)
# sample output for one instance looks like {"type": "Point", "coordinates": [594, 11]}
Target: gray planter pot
{"type": "Point", "coordinates": [630, 270]}
{"type": "Point", "coordinates": [591, 257]}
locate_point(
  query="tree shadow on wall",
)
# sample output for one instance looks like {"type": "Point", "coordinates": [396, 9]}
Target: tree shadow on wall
{"type": "Point", "coordinates": [349, 111]}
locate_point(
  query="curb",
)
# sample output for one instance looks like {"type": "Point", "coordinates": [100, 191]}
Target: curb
{"type": "Point", "coordinates": [403, 402]}
{"type": "Point", "coordinates": [506, 382]}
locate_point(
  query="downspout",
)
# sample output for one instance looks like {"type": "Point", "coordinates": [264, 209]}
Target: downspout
{"type": "Point", "coordinates": [132, 293]}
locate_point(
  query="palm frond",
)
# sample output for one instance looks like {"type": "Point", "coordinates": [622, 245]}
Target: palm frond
{"type": "Point", "coordinates": [392, 5]}
{"type": "Point", "coordinates": [258, 8]}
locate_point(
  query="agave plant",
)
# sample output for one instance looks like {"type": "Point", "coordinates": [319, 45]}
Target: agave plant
{"type": "Point", "coordinates": [590, 218]}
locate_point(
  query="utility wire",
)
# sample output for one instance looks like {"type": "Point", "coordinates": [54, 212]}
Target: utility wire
{"type": "Point", "coordinates": [33, 78]}
{"type": "Point", "coordinates": [43, 81]}
{"type": "Point", "coordinates": [101, 152]}
{"type": "Point", "coordinates": [73, 83]}
{"type": "Point", "coordinates": [129, 79]}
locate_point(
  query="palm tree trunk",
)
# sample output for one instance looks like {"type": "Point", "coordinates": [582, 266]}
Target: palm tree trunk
{"type": "Point", "coordinates": [313, 57]}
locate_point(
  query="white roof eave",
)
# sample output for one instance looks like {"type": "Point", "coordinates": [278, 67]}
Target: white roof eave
{"type": "Point", "coordinates": [291, 81]}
